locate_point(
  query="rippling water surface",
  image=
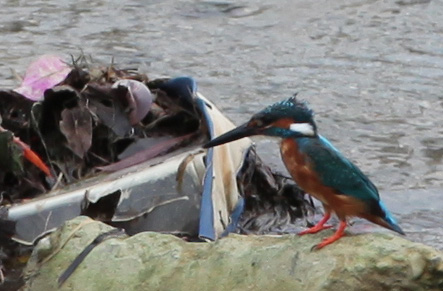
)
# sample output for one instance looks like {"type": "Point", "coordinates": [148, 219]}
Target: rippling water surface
{"type": "Point", "coordinates": [372, 70]}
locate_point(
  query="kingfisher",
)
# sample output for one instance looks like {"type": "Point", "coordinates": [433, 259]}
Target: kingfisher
{"type": "Point", "coordinates": [317, 167]}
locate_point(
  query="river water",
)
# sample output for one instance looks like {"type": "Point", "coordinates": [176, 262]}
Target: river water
{"type": "Point", "coordinates": [372, 70]}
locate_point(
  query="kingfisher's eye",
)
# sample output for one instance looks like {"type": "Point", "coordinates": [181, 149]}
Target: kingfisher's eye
{"type": "Point", "coordinates": [256, 123]}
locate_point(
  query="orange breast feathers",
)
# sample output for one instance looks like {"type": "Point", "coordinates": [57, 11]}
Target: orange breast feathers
{"type": "Point", "coordinates": [302, 172]}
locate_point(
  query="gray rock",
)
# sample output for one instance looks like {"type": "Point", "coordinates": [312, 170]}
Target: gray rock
{"type": "Point", "coordinates": [154, 261]}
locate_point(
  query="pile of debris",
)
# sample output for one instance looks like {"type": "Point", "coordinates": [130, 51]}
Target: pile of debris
{"type": "Point", "coordinates": [113, 144]}
{"type": "Point", "coordinates": [87, 122]}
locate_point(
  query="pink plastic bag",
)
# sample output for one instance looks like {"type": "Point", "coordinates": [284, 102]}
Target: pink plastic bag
{"type": "Point", "coordinates": [46, 72]}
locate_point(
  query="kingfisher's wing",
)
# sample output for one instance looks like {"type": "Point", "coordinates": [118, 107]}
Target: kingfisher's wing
{"type": "Point", "coordinates": [336, 171]}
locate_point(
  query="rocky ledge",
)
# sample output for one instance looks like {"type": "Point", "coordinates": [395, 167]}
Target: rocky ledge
{"type": "Point", "coordinates": [154, 261]}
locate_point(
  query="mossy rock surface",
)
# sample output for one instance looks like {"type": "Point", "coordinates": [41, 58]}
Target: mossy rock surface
{"type": "Point", "coordinates": [153, 261]}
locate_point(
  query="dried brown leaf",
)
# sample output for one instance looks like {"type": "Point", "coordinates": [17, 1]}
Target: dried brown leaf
{"type": "Point", "coordinates": [76, 126]}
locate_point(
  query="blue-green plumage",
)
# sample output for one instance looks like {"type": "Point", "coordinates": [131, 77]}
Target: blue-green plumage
{"type": "Point", "coordinates": [337, 172]}
{"type": "Point", "coordinates": [316, 165]}
{"type": "Point", "coordinates": [288, 108]}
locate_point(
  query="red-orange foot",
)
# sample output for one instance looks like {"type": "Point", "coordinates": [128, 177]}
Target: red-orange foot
{"type": "Point", "coordinates": [319, 226]}
{"type": "Point", "coordinates": [336, 236]}
{"type": "Point", "coordinates": [314, 229]}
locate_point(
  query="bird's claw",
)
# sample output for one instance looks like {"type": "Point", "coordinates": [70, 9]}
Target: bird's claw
{"type": "Point", "coordinates": [314, 229]}
{"type": "Point", "coordinates": [315, 248]}
{"type": "Point", "coordinates": [325, 242]}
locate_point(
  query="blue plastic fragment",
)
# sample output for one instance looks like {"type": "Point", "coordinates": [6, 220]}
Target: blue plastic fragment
{"type": "Point", "coordinates": [235, 217]}
{"type": "Point", "coordinates": [206, 227]}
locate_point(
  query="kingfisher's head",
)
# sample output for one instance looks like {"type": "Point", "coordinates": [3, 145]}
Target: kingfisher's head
{"type": "Point", "coordinates": [288, 118]}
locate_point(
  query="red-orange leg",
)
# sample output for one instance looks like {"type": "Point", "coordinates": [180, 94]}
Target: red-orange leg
{"type": "Point", "coordinates": [319, 226]}
{"type": "Point", "coordinates": [336, 236]}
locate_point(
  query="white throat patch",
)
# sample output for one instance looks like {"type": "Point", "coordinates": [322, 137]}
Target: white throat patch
{"type": "Point", "coordinates": [303, 128]}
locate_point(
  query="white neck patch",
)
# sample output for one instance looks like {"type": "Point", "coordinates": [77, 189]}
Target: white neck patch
{"type": "Point", "coordinates": [303, 128]}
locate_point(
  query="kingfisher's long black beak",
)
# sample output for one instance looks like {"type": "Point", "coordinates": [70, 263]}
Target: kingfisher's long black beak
{"type": "Point", "coordinates": [237, 133]}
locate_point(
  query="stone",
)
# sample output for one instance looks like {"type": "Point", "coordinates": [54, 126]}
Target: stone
{"type": "Point", "coordinates": [154, 261]}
